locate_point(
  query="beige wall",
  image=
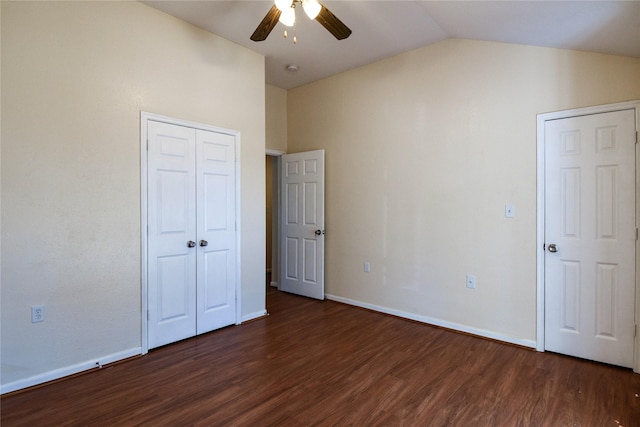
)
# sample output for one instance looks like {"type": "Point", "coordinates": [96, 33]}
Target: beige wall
{"type": "Point", "coordinates": [276, 118]}
{"type": "Point", "coordinates": [276, 140]}
{"type": "Point", "coordinates": [423, 151]}
{"type": "Point", "coordinates": [75, 76]}
{"type": "Point", "coordinates": [269, 170]}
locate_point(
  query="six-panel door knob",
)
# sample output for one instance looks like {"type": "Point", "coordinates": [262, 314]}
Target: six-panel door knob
{"type": "Point", "coordinates": [203, 243]}
{"type": "Point", "coordinates": [191, 244]}
{"type": "Point", "coordinates": [553, 247]}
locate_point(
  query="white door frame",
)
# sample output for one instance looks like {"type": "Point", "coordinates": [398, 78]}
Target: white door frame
{"type": "Point", "coordinates": [542, 118]}
{"type": "Point", "coordinates": [144, 119]}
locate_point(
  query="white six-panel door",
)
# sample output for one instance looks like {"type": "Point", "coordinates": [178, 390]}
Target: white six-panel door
{"type": "Point", "coordinates": [216, 259]}
{"type": "Point", "coordinates": [302, 235]}
{"type": "Point", "coordinates": [171, 226]}
{"type": "Point", "coordinates": [590, 236]}
{"type": "Point", "coordinates": [191, 236]}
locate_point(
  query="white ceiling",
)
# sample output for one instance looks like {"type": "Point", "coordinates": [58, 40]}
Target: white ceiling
{"type": "Point", "coordinates": [385, 28]}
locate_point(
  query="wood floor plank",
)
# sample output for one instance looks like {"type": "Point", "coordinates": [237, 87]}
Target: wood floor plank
{"type": "Point", "coordinates": [322, 363]}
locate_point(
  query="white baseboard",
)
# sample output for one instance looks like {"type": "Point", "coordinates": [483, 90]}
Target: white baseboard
{"type": "Point", "coordinates": [436, 322]}
{"type": "Point", "coordinates": [69, 370]}
{"type": "Point", "coordinates": [274, 284]}
{"type": "Point", "coordinates": [252, 316]}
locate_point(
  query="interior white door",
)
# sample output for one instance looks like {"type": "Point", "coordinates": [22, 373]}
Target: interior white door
{"type": "Point", "coordinates": [171, 224]}
{"type": "Point", "coordinates": [216, 259]}
{"type": "Point", "coordinates": [590, 235]}
{"type": "Point", "coordinates": [302, 234]}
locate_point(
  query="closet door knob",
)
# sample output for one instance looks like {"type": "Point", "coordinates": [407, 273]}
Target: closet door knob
{"type": "Point", "coordinates": [203, 243]}
{"type": "Point", "coordinates": [191, 244]}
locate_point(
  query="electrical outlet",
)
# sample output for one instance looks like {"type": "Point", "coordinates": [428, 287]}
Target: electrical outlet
{"type": "Point", "coordinates": [471, 281]}
{"type": "Point", "coordinates": [37, 313]}
{"type": "Point", "coordinates": [367, 267]}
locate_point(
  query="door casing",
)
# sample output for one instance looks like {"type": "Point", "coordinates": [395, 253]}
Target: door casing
{"type": "Point", "coordinates": [145, 117]}
{"type": "Point", "coordinates": [540, 222]}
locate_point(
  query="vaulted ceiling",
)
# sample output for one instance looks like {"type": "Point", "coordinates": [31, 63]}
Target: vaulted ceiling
{"type": "Point", "coordinates": [385, 28]}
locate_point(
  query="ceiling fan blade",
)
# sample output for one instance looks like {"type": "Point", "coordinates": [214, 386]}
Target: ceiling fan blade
{"type": "Point", "coordinates": [333, 24]}
{"type": "Point", "coordinates": [270, 20]}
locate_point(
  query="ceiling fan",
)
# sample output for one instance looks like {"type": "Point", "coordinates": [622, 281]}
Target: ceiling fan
{"type": "Point", "coordinates": [284, 11]}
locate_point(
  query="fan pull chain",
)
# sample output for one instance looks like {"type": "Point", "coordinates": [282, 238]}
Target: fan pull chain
{"type": "Point", "coordinates": [286, 35]}
{"type": "Point", "coordinates": [295, 38]}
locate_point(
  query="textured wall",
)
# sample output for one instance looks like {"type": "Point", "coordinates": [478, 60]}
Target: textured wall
{"type": "Point", "coordinates": [75, 76]}
{"type": "Point", "coordinates": [423, 152]}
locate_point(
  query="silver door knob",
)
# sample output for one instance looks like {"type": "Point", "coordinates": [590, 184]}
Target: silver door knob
{"type": "Point", "coordinates": [319, 232]}
{"type": "Point", "coordinates": [203, 243]}
{"type": "Point", "coordinates": [191, 244]}
{"type": "Point", "coordinates": [553, 247]}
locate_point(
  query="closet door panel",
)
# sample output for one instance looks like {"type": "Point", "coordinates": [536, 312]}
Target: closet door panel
{"type": "Point", "coordinates": [216, 189]}
{"type": "Point", "coordinates": [171, 224]}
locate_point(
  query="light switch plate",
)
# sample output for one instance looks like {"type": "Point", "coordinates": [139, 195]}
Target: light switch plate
{"type": "Point", "coordinates": [471, 281]}
{"type": "Point", "coordinates": [509, 211]}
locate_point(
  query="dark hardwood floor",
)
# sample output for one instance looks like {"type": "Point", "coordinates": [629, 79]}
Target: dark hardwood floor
{"type": "Point", "coordinates": [313, 363]}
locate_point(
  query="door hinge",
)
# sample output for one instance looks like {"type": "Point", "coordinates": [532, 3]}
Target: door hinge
{"type": "Point", "coordinates": [148, 315]}
{"type": "Point", "coordinates": [635, 331]}
{"type": "Point", "coordinates": [544, 247]}
{"type": "Point", "coordinates": [636, 234]}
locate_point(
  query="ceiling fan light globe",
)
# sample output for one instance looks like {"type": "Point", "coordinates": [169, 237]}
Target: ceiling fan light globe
{"type": "Point", "coordinates": [288, 17]}
{"type": "Point", "coordinates": [311, 8]}
{"type": "Point", "coordinates": [283, 5]}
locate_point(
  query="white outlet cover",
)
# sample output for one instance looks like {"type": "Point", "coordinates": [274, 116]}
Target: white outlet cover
{"type": "Point", "coordinates": [37, 313]}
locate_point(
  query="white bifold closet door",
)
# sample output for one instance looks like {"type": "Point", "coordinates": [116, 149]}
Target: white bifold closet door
{"type": "Point", "coordinates": [191, 232]}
